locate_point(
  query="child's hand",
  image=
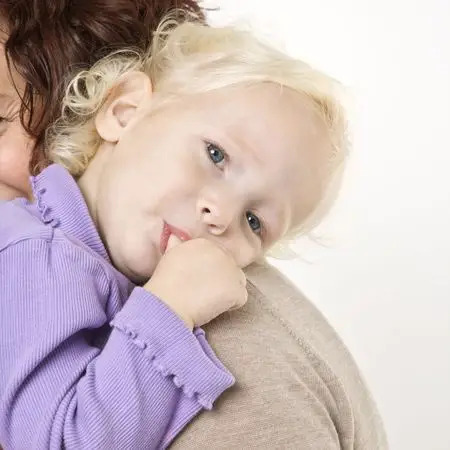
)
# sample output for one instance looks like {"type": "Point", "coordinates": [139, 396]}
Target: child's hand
{"type": "Point", "coordinates": [198, 280]}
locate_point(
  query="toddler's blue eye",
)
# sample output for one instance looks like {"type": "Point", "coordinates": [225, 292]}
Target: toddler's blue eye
{"type": "Point", "coordinates": [254, 222]}
{"type": "Point", "coordinates": [216, 154]}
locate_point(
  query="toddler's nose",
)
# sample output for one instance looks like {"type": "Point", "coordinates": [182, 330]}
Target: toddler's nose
{"type": "Point", "coordinates": [217, 222]}
{"type": "Point", "coordinates": [218, 217]}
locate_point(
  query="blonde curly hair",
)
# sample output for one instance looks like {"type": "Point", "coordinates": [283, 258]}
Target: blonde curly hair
{"type": "Point", "coordinates": [185, 58]}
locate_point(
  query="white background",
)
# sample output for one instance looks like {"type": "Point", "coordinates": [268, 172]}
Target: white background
{"type": "Point", "coordinates": [383, 277]}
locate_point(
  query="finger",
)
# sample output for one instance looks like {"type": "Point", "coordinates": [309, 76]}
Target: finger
{"type": "Point", "coordinates": [244, 297]}
{"type": "Point", "coordinates": [173, 242]}
{"type": "Point", "coordinates": [225, 250]}
{"type": "Point", "coordinates": [235, 307]}
{"type": "Point", "coordinates": [243, 279]}
{"type": "Point", "coordinates": [241, 299]}
{"type": "Point", "coordinates": [241, 302]}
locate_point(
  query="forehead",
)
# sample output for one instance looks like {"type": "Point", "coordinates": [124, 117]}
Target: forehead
{"type": "Point", "coordinates": [280, 136]}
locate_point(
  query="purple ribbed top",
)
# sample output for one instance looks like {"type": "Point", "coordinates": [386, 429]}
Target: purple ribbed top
{"type": "Point", "coordinates": [87, 360]}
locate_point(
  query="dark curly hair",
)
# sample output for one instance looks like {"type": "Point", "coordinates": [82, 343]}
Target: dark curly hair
{"type": "Point", "coordinates": [48, 40]}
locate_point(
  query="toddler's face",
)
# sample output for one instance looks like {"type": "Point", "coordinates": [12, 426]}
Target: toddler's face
{"type": "Point", "coordinates": [237, 166]}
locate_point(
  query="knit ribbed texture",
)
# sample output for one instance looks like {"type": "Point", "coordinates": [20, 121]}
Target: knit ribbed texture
{"type": "Point", "coordinates": [299, 387]}
{"type": "Point", "coordinates": [87, 360]}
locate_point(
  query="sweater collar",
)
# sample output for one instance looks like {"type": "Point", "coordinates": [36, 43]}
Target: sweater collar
{"type": "Point", "coordinates": [61, 204]}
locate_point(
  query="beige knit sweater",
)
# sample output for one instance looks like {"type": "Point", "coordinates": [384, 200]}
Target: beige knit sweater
{"type": "Point", "coordinates": [297, 385]}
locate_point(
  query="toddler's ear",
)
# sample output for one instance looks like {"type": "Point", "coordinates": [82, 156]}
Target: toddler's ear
{"type": "Point", "coordinates": [132, 89]}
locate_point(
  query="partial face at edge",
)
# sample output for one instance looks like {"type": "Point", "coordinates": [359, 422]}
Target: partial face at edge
{"type": "Point", "coordinates": [239, 166]}
{"type": "Point", "coordinates": [15, 143]}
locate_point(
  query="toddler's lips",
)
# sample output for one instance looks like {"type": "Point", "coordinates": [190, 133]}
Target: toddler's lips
{"type": "Point", "coordinates": [167, 231]}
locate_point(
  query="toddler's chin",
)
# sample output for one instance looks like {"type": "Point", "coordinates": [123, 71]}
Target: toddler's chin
{"type": "Point", "coordinates": [134, 258]}
{"type": "Point", "coordinates": [139, 270]}
{"type": "Point", "coordinates": [136, 276]}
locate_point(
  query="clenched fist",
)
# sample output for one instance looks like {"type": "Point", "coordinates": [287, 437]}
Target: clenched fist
{"type": "Point", "coordinates": [198, 280]}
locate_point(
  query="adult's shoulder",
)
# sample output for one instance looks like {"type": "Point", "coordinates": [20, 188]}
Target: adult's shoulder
{"type": "Point", "coordinates": [297, 384]}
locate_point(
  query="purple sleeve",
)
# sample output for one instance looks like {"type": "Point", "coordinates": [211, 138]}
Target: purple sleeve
{"type": "Point", "coordinates": [59, 390]}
